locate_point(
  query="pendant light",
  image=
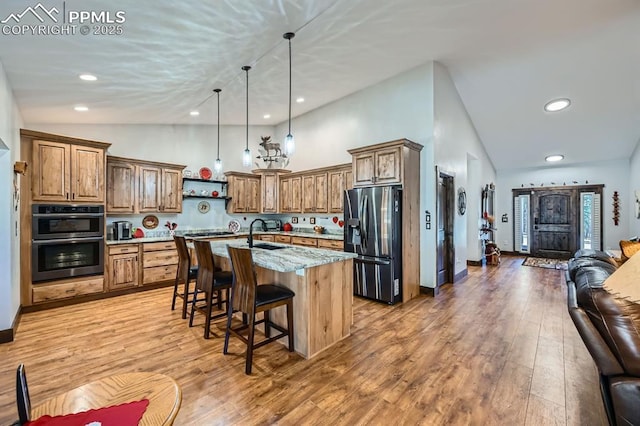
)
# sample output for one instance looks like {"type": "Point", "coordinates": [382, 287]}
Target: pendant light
{"type": "Point", "coordinates": [217, 166]}
{"type": "Point", "coordinates": [246, 155]}
{"type": "Point", "coordinates": [289, 141]}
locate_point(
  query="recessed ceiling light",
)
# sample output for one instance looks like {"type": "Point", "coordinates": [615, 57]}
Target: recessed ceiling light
{"type": "Point", "coordinates": [194, 113]}
{"type": "Point", "coordinates": [81, 108]}
{"type": "Point", "coordinates": [557, 105]}
{"type": "Point", "coordinates": [554, 158]}
{"type": "Point", "coordinates": [88, 77]}
{"type": "Point", "coordinates": [266, 116]}
{"type": "Point", "coordinates": [300, 100]}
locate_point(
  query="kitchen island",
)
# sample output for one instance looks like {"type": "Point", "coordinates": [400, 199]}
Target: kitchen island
{"type": "Point", "coordinates": [322, 281]}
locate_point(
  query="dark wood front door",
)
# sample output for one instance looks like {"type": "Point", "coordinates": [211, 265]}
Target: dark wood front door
{"type": "Point", "coordinates": [555, 223]}
{"type": "Point", "coordinates": [445, 251]}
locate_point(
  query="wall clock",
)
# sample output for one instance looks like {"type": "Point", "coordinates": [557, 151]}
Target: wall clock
{"type": "Point", "coordinates": [203, 206]}
{"type": "Point", "coordinates": [462, 201]}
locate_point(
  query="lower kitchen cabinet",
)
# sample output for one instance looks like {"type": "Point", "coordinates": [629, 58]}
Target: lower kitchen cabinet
{"type": "Point", "coordinates": [331, 244]}
{"type": "Point", "coordinates": [285, 239]}
{"type": "Point", "coordinates": [65, 289]}
{"type": "Point", "coordinates": [304, 241]}
{"type": "Point", "coordinates": [122, 266]}
{"type": "Point", "coordinates": [159, 262]}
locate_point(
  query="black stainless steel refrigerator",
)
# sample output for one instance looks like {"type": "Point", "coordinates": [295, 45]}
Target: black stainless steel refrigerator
{"type": "Point", "coordinates": [373, 230]}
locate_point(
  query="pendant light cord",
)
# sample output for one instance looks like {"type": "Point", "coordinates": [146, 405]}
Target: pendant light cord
{"type": "Point", "coordinates": [218, 92]}
{"type": "Point", "coordinates": [246, 68]}
{"type": "Point", "coordinates": [289, 85]}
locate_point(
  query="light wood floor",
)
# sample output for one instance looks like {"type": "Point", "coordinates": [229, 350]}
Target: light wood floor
{"type": "Point", "coordinates": [496, 348]}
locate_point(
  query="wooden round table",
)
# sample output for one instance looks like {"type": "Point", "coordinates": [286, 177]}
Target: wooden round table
{"type": "Point", "coordinates": [162, 391]}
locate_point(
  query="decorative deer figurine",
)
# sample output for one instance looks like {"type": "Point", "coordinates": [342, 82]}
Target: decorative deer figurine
{"type": "Point", "coordinates": [268, 145]}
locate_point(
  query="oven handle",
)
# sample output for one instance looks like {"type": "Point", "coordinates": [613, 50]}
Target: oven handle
{"type": "Point", "coordinates": [68, 240]}
{"type": "Point", "coordinates": [68, 215]}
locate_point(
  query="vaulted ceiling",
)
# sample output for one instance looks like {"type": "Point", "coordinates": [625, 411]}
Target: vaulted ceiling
{"type": "Point", "coordinates": [507, 58]}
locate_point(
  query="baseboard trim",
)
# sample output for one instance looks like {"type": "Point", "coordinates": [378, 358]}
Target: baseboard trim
{"type": "Point", "coordinates": [460, 275]}
{"type": "Point", "coordinates": [474, 263]}
{"type": "Point", "coordinates": [6, 336]}
{"type": "Point", "coordinates": [429, 291]}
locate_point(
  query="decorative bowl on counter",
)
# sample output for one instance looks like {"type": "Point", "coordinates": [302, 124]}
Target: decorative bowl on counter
{"type": "Point", "coordinates": [318, 229]}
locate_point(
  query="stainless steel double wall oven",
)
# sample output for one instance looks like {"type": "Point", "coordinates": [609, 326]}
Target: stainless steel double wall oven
{"type": "Point", "coordinates": [67, 241]}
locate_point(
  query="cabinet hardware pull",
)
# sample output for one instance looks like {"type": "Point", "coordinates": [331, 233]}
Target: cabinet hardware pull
{"type": "Point", "coordinates": [67, 196]}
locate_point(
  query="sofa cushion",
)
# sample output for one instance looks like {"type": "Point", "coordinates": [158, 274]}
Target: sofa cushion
{"type": "Point", "coordinates": [628, 249]}
{"type": "Point", "coordinates": [595, 254]}
{"type": "Point", "coordinates": [576, 264]}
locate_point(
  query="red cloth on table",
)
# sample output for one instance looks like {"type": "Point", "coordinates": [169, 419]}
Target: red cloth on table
{"type": "Point", "coordinates": [127, 414]}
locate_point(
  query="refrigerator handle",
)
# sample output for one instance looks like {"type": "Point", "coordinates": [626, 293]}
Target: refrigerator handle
{"type": "Point", "coordinates": [364, 219]}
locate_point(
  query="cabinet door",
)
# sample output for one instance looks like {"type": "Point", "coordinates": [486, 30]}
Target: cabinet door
{"type": "Point", "coordinates": [387, 165]}
{"type": "Point", "coordinates": [123, 271]}
{"type": "Point", "coordinates": [336, 189]}
{"type": "Point", "coordinates": [348, 180]}
{"type": "Point", "coordinates": [238, 201]}
{"type": "Point", "coordinates": [121, 183]}
{"type": "Point", "coordinates": [87, 174]}
{"type": "Point", "coordinates": [269, 193]}
{"type": "Point", "coordinates": [363, 169]}
{"type": "Point", "coordinates": [150, 182]}
{"type": "Point", "coordinates": [296, 195]}
{"type": "Point", "coordinates": [252, 195]}
{"type": "Point", "coordinates": [51, 174]}
{"type": "Point", "coordinates": [308, 193]}
{"type": "Point", "coordinates": [171, 191]}
{"type": "Point", "coordinates": [321, 203]}
{"type": "Point", "coordinates": [285, 195]}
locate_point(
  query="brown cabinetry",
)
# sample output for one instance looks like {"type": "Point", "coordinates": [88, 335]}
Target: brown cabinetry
{"type": "Point", "coordinates": [331, 244]}
{"type": "Point", "coordinates": [244, 189]}
{"type": "Point", "coordinates": [143, 187]}
{"type": "Point", "coordinates": [339, 180]}
{"type": "Point", "coordinates": [270, 181]}
{"type": "Point", "coordinates": [285, 239]}
{"type": "Point", "coordinates": [314, 193]}
{"type": "Point", "coordinates": [122, 266]}
{"type": "Point", "coordinates": [377, 166]}
{"type": "Point", "coordinates": [159, 262]}
{"type": "Point", "coordinates": [291, 194]}
{"type": "Point", "coordinates": [66, 289]}
{"type": "Point", "coordinates": [304, 241]}
{"type": "Point", "coordinates": [67, 172]}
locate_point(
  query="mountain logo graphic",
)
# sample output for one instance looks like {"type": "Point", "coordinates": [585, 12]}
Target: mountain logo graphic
{"type": "Point", "coordinates": [38, 11]}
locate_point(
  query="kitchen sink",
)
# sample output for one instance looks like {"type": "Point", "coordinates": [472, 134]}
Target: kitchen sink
{"type": "Point", "coordinates": [267, 246]}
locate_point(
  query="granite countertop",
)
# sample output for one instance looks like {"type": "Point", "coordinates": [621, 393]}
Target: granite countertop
{"type": "Point", "coordinates": [288, 259]}
{"type": "Point", "coordinates": [338, 237]}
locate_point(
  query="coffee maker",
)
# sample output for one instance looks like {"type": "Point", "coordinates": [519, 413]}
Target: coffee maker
{"type": "Point", "coordinates": [122, 230]}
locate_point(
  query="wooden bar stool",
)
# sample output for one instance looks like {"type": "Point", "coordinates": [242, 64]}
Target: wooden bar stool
{"type": "Point", "coordinates": [250, 298]}
{"type": "Point", "coordinates": [211, 283]}
{"type": "Point", "coordinates": [185, 274]}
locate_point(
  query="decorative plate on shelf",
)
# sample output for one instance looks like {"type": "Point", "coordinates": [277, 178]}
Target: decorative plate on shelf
{"type": "Point", "coordinates": [203, 206]}
{"type": "Point", "coordinates": [205, 173]}
{"type": "Point", "coordinates": [234, 226]}
{"type": "Point", "coordinates": [150, 221]}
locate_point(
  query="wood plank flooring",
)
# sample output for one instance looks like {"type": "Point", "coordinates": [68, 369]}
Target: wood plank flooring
{"type": "Point", "coordinates": [496, 348]}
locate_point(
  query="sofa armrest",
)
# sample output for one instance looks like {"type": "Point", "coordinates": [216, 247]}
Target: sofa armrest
{"type": "Point", "coordinates": [606, 362]}
{"type": "Point", "coordinates": [625, 394]}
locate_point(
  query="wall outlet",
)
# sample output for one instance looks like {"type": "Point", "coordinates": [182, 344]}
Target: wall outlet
{"type": "Point", "coordinates": [505, 242]}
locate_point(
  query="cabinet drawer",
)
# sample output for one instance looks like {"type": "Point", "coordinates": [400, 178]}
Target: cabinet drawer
{"type": "Point", "coordinates": [47, 292]}
{"type": "Point", "coordinates": [267, 238]}
{"type": "Point", "coordinates": [123, 249]}
{"type": "Point", "coordinates": [159, 273]}
{"type": "Point", "coordinates": [331, 244]}
{"type": "Point", "coordinates": [286, 239]}
{"type": "Point", "coordinates": [161, 245]}
{"type": "Point", "coordinates": [159, 258]}
{"type": "Point", "coordinates": [304, 241]}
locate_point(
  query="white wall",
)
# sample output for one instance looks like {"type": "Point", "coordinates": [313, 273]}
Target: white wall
{"type": "Point", "coordinates": [634, 185]}
{"type": "Point", "coordinates": [613, 174]}
{"type": "Point", "coordinates": [399, 107]}
{"type": "Point", "coordinates": [457, 148]}
{"type": "Point", "coordinates": [10, 123]}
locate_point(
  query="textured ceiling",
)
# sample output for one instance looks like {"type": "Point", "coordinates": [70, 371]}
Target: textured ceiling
{"type": "Point", "coordinates": [507, 58]}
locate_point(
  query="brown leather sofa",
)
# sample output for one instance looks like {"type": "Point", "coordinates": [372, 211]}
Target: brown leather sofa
{"type": "Point", "coordinates": [610, 329]}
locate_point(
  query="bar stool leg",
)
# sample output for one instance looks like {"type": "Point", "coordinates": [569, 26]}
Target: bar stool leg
{"type": "Point", "coordinates": [207, 320]}
{"type": "Point", "coordinates": [267, 328]}
{"type": "Point", "coordinates": [249, 361]}
{"type": "Point", "coordinates": [290, 324]}
{"type": "Point", "coordinates": [193, 307]}
{"type": "Point", "coordinates": [185, 300]}
{"type": "Point", "coordinates": [175, 293]}
{"type": "Point", "coordinates": [226, 333]}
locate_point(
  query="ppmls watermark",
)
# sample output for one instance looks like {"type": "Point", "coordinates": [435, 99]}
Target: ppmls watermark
{"type": "Point", "coordinates": [39, 20]}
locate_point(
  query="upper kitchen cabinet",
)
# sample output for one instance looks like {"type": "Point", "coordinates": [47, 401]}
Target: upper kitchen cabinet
{"type": "Point", "coordinates": [339, 179]}
{"type": "Point", "coordinates": [314, 193]}
{"type": "Point", "coordinates": [66, 171]}
{"type": "Point", "coordinates": [382, 164]}
{"type": "Point", "coordinates": [269, 189]}
{"type": "Point", "coordinates": [137, 186]}
{"type": "Point", "coordinates": [290, 194]}
{"type": "Point", "coordinates": [244, 189]}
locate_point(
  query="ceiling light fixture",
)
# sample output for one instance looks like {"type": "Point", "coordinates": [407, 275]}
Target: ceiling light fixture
{"type": "Point", "coordinates": [300, 100]}
{"type": "Point", "coordinates": [88, 77]}
{"type": "Point", "coordinates": [557, 105]}
{"type": "Point", "coordinates": [554, 158]}
{"type": "Point", "coordinates": [194, 113]}
{"type": "Point", "coordinates": [266, 116]}
{"type": "Point", "coordinates": [246, 155]}
{"type": "Point", "coordinates": [81, 108]}
{"type": "Point", "coordinates": [289, 141]}
{"type": "Point", "coordinates": [217, 166]}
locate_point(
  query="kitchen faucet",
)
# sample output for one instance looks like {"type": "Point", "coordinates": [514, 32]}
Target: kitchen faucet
{"type": "Point", "coordinates": [264, 228]}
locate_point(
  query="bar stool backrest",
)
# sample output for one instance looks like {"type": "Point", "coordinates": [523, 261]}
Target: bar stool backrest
{"type": "Point", "coordinates": [243, 292]}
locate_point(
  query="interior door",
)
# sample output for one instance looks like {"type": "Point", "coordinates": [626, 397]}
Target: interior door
{"type": "Point", "coordinates": [444, 223]}
{"type": "Point", "coordinates": [555, 223]}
